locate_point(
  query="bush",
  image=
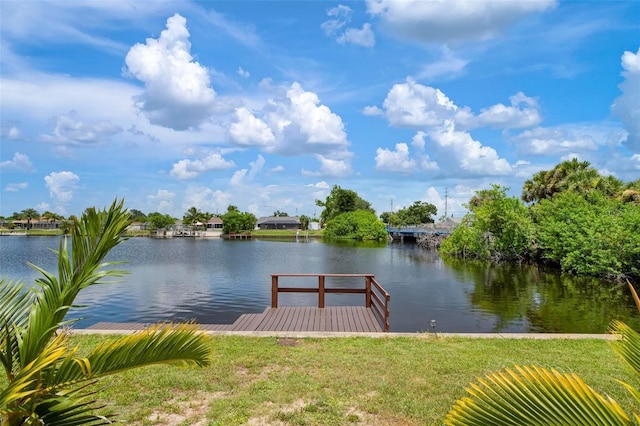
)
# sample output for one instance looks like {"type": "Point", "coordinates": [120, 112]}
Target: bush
{"type": "Point", "coordinates": [498, 227]}
{"type": "Point", "coordinates": [589, 234]}
{"type": "Point", "coordinates": [359, 224]}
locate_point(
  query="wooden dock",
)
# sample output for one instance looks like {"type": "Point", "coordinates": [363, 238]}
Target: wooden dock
{"type": "Point", "coordinates": [372, 317]}
{"type": "Point", "coordinates": [355, 319]}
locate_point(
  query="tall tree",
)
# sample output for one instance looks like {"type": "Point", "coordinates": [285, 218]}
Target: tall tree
{"type": "Point", "coordinates": [570, 175]}
{"type": "Point", "coordinates": [29, 215]}
{"type": "Point", "coordinates": [236, 221]}
{"type": "Point", "coordinates": [193, 216]}
{"type": "Point", "coordinates": [159, 220]}
{"type": "Point", "coordinates": [341, 201]}
{"type": "Point", "coordinates": [137, 215]}
{"type": "Point", "coordinates": [51, 217]}
{"type": "Point", "coordinates": [304, 222]}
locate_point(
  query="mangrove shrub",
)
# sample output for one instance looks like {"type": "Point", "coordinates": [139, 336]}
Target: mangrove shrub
{"type": "Point", "coordinates": [498, 227]}
{"type": "Point", "coordinates": [358, 225]}
{"type": "Point", "coordinates": [589, 234]}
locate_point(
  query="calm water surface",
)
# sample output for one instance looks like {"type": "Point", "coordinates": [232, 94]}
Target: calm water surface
{"type": "Point", "coordinates": [215, 281]}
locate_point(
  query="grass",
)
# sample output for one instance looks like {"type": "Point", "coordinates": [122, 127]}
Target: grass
{"type": "Point", "coordinates": [285, 233]}
{"type": "Point", "coordinates": [266, 233]}
{"type": "Point", "coordinates": [31, 232]}
{"type": "Point", "coordinates": [340, 381]}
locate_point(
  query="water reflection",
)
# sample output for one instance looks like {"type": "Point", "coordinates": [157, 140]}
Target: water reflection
{"type": "Point", "coordinates": [215, 281]}
{"type": "Point", "coordinates": [540, 300]}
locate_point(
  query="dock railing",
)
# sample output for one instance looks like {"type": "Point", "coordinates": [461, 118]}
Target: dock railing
{"type": "Point", "coordinates": [376, 297]}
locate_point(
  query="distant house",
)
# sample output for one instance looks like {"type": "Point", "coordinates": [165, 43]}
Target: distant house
{"type": "Point", "coordinates": [138, 226]}
{"type": "Point", "coordinates": [279, 222]}
{"type": "Point", "coordinates": [37, 224]}
{"type": "Point", "coordinates": [214, 223]}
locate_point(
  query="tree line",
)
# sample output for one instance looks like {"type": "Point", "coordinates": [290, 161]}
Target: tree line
{"type": "Point", "coordinates": [571, 217]}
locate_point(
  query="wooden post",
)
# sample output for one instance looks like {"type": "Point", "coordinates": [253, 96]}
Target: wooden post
{"type": "Point", "coordinates": [274, 291]}
{"type": "Point", "coordinates": [320, 291]}
{"type": "Point", "coordinates": [367, 283]}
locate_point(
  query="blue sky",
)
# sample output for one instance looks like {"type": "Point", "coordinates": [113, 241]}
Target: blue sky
{"type": "Point", "coordinates": [266, 105]}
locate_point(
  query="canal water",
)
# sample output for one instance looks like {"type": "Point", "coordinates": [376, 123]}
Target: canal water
{"type": "Point", "coordinates": [215, 281]}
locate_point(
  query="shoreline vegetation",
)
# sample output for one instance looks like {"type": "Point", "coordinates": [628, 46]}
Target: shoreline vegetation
{"type": "Point", "coordinates": [266, 233]}
{"type": "Point", "coordinates": [571, 218]}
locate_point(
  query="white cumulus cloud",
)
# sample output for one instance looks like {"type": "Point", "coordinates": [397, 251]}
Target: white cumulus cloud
{"type": "Point", "coordinates": [458, 151]}
{"type": "Point", "coordinates": [19, 162]}
{"type": "Point", "coordinates": [454, 20]}
{"type": "Point", "coordinates": [61, 185]}
{"type": "Point", "coordinates": [330, 167]}
{"type": "Point", "coordinates": [395, 161]}
{"type": "Point", "coordinates": [293, 123]}
{"type": "Point", "coordinates": [411, 104]}
{"type": "Point", "coordinates": [249, 130]}
{"type": "Point", "coordinates": [523, 112]}
{"type": "Point", "coordinates": [178, 93]}
{"type": "Point", "coordinates": [553, 141]}
{"type": "Point", "coordinates": [627, 107]}
{"type": "Point", "coordinates": [69, 129]}
{"type": "Point", "coordinates": [189, 169]}
{"type": "Point", "coordinates": [316, 121]}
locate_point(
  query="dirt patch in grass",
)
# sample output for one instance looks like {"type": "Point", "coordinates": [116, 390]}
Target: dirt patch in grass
{"type": "Point", "coordinates": [305, 412]}
{"type": "Point", "coordinates": [178, 411]}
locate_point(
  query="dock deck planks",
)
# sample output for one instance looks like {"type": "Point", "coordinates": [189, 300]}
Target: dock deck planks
{"type": "Point", "coordinates": [285, 318]}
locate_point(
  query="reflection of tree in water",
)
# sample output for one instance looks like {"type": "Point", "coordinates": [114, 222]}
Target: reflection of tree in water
{"type": "Point", "coordinates": [548, 301]}
{"type": "Point", "coordinates": [422, 255]}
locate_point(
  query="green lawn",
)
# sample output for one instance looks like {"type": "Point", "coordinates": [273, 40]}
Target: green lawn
{"type": "Point", "coordinates": [285, 233]}
{"type": "Point", "coordinates": [340, 381]}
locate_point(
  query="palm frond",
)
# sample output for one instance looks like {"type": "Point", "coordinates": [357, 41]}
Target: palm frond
{"type": "Point", "coordinates": [27, 383]}
{"type": "Point", "coordinates": [91, 240]}
{"type": "Point", "coordinates": [181, 344]}
{"type": "Point", "coordinates": [70, 408]}
{"type": "Point", "coordinates": [627, 345]}
{"type": "Point", "coordinates": [634, 293]}
{"type": "Point", "coordinates": [14, 302]}
{"type": "Point", "coordinates": [534, 396]}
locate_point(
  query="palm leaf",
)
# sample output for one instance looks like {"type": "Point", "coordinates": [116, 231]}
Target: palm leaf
{"type": "Point", "coordinates": [69, 408]}
{"type": "Point", "coordinates": [627, 345]}
{"type": "Point", "coordinates": [534, 396]}
{"type": "Point", "coordinates": [181, 344]}
{"type": "Point", "coordinates": [14, 302]}
{"type": "Point", "coordinates": [27, 383]}
{"type": "Point", "coordinates": [91, 240]}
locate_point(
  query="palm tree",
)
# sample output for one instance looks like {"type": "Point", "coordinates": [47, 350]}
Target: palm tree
{"type": "Point", "coordinates": [539, 396]}
{"type": "Point", "coordinates": [192, 216]}
{"type": "Point", "coordinates": [46, 378]}
{"type": "Point", "coordinates": [29, 215]}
